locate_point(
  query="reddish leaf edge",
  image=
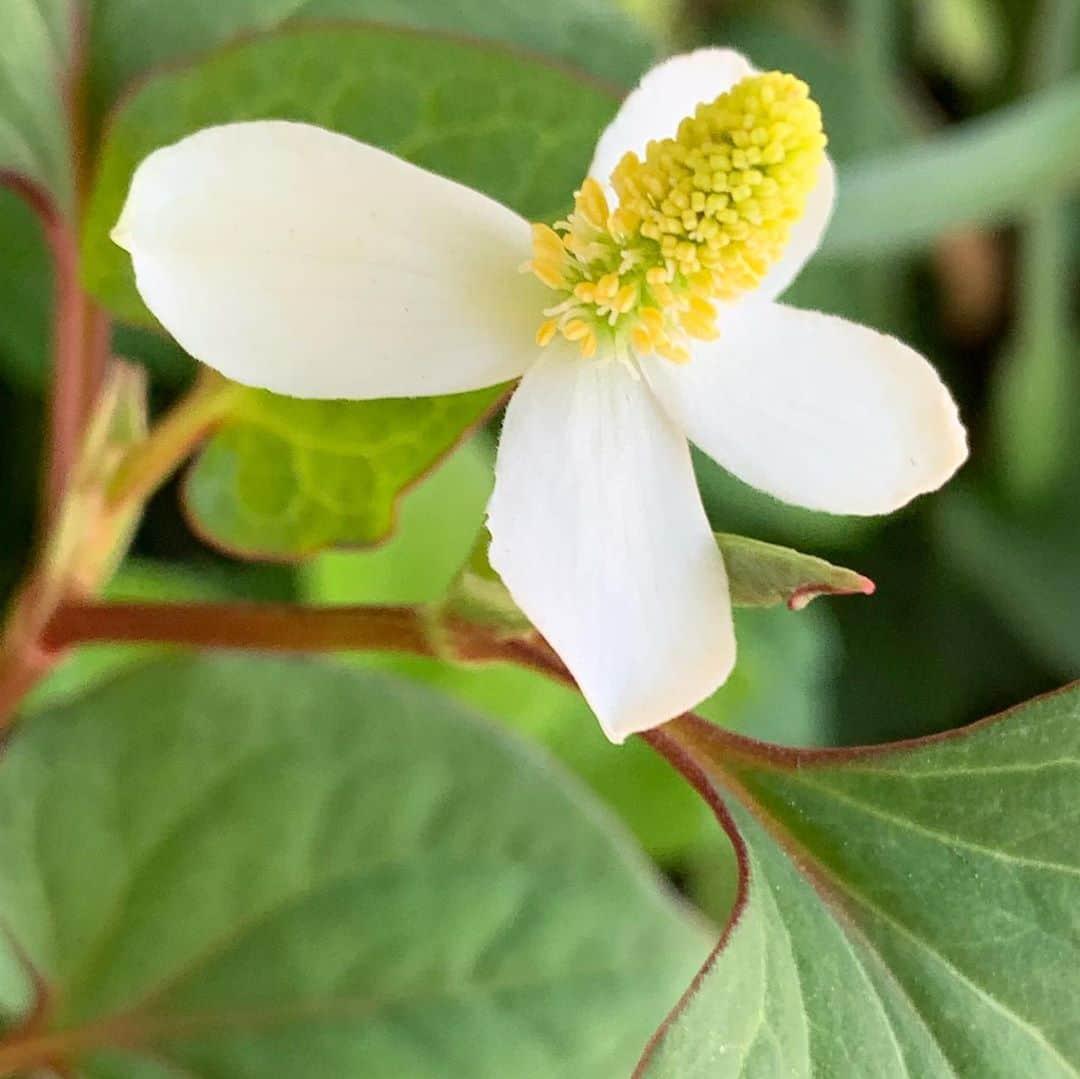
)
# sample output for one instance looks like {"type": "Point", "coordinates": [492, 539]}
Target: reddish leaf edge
{"type": "Point", "coordinates": [696, 748]}
{"type": "Point", "coordinates": [801, 597]}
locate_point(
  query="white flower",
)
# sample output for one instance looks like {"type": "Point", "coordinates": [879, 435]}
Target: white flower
{"type": "Point", "coordinates": [297, 259]}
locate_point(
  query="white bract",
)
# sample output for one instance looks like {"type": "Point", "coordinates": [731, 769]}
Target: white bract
{"type": "Point", "coordinates": [300, 260]}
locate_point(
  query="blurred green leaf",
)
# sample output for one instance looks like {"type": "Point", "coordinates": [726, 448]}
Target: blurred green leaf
{"type": "Point", "coordinates": [34, 49]}
{"type": "Point", "coordinates": [515, 128]}
{"type": "Point", "coordinates": [968, 39]}
{"type": "Point", "coordinates": [129, 37]}
{"type": "Point", "coordinates": [903, 199]}
{"type": "Point", "coordinates": [1034, 402]}
{"type": "Point", "coordinates": [911, 911]}
{"type": "Point", "coordinates": [245, 867]}
{"type": "Point", "coordinates": [1035, 394]}
{"type": "Point", "coordinates": [285, 478]}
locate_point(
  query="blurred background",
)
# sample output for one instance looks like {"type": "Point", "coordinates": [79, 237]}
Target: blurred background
{"type": "Point", "coordinates": [978, 601]}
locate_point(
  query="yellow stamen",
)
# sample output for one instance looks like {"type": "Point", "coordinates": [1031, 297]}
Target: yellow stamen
{"type": "Point", "coordinates": [546, 333]}
{"type": "Point", "coordinates": [702, 217]}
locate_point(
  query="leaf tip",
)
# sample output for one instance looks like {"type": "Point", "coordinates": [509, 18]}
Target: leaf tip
{"type": "Point", "coordinates": [860, 586]}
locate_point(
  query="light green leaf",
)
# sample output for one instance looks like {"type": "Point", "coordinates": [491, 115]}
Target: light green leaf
{"type": "Point", "coordinates": [436, 530]}
{"type": "Point", "coordinates": [512, 127]}
{"type": "Point", "coordinates": [764, 575]}
{"type": "Point", "coordinates": [253, 868]}
{"type": "Point", "coordinates": [903, 199]}
{"type": "Point", "coordinates": [285, 478]}
{"type": "Point", "coordinates": [34, 47]}
{"type": "Point", "coordinates": [905, 911]}
{"type": "Point", "coordinates": [129, 38]}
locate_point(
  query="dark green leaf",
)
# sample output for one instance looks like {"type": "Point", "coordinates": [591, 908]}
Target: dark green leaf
{"type": "Point", "coordinates": [907, 911]}
{"type": "Point", "coordinates": [253, 868]}
{"type": "Point", "coordinates": [512, 127]}
{"type": "Point", "coordinates": [130, 37]}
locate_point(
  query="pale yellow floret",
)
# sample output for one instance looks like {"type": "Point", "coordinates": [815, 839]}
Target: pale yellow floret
{"type": "Point", "coordinates": [701, 218]}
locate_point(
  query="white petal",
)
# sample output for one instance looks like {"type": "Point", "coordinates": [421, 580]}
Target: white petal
{"type": "Point", "coordinates": [297, 259]}
{"type": "Point", "coordinates": [815, 410]}
{"type": "Point", "coordinates": [666, 94]}
{"type": "Point", "coordinates": [599, 533]}
{"type": "Point", "coordinates": [805, 238]}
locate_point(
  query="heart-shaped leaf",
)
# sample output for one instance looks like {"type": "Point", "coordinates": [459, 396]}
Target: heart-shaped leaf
{"type": "Point", "coordinates": [252, 868]}
{"type": "Point", "coordinates": [907, 910]}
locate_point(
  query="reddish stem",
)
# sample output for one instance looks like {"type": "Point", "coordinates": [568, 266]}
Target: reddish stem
{"type": "Point", "coordinates": [279, 627]}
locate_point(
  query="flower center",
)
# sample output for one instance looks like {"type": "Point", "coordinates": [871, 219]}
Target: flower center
{"type": "Point", "coordinates": [701, 218]}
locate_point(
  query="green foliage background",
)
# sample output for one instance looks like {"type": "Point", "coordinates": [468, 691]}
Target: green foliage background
{"type": "Point", "coordinates": [956, 126]}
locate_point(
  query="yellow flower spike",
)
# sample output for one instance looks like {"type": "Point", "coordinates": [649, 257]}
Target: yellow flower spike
{"type": "Point", "coordinates": [702, 217]}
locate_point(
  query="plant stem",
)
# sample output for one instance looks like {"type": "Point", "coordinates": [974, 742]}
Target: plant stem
{"type": "Point", "coordinates": [172, 439]}
{"type": "Point", "coordinates": [279, 627]}
{"type": "Point", "coordinates": [24, 657]}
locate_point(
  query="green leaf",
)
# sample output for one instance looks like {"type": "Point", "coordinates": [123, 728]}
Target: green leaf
{"type": "Point", "coordinates": [513, 127]}
{"type": "Point", "coordinates": [764, 575]}
{"type": "Point", "coordinates": [903, 199]}
{"type": "Point", "coordinates": [34, 48]}
{"type": "Point", "coordinates": [285, 478]}
{"type": "Point", "coordinates": [904, 911]}
{"type": "Point", "coordinates": [253, 868]}
{"type": "Point", "coordinates": [436, 530]}
{"type": "Point", "coordinates": [129, 37]}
